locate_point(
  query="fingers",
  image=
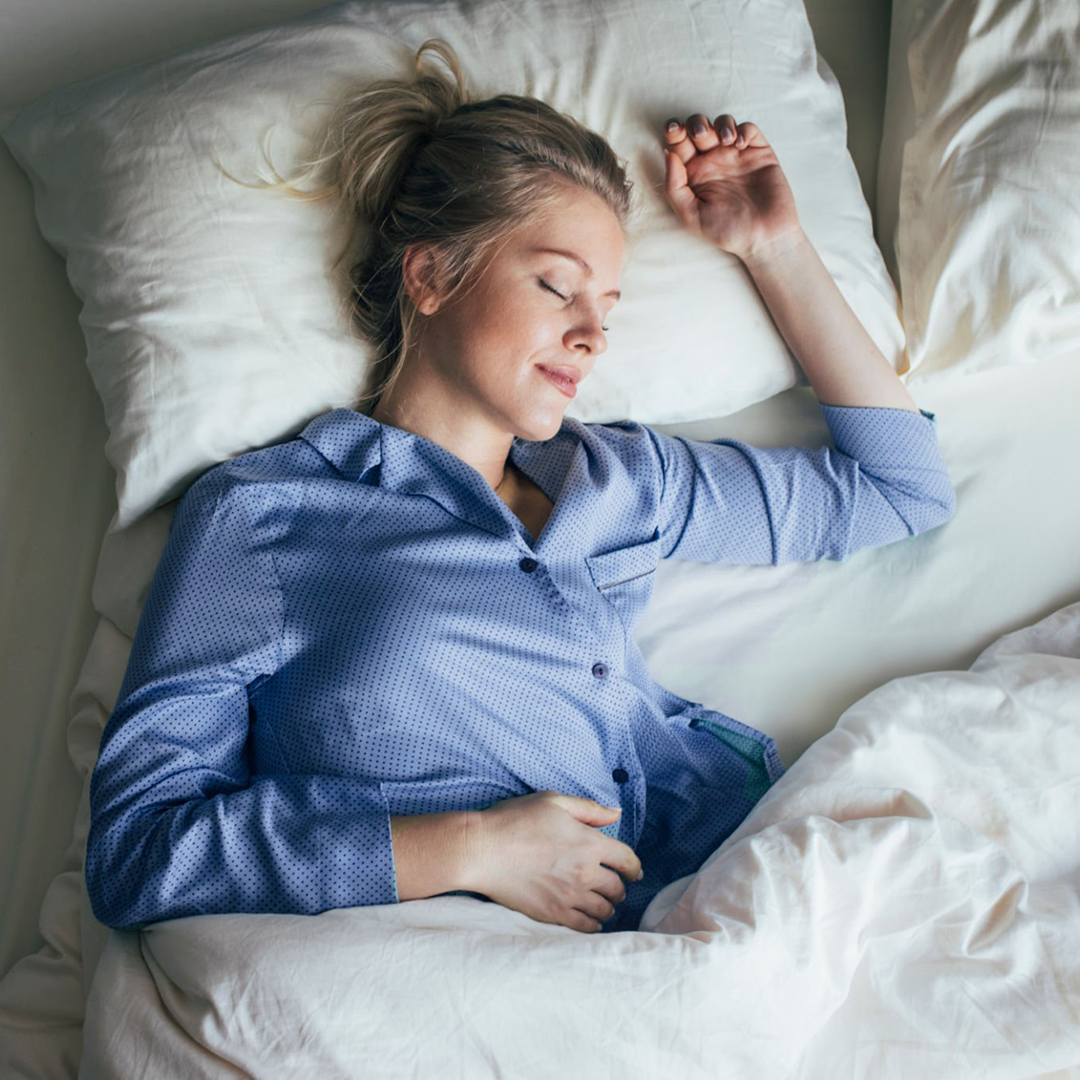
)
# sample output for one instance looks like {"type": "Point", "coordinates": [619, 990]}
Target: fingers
{"type": "Point", "coordinates": [727, 130]}
{"type": "Point", "coordinates": [677, 188]}
{"type": "Point", "coordinates": [678, 140]}
{"type": "Point", "coordinates": [699, 134]}
{"type": "Point", "coordinates": [702, 133]}
{"type": "Point", "coordinates": [597, 907]}
{"type": "Point", "coordinates": [750, 135]}
{"type": "Point", "coordinates": [629, 865]}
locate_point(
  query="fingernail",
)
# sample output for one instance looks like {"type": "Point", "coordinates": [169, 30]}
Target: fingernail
{"type": "Point", "coordinates": [640, 876]}
{"type": "Point", "coordinates": [699, 127]}
{"type": "Point", "coordinates": [672, 125]}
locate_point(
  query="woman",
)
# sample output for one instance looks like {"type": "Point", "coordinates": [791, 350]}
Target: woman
{"type": "Point", "coordinates": [393, 657]}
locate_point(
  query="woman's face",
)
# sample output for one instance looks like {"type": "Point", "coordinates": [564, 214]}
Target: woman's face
{"type": "Point", "coordinates": [530, 308]}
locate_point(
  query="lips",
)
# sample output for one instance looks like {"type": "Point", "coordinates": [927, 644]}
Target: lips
{"type": "Point", "coordinates": [565, 378]}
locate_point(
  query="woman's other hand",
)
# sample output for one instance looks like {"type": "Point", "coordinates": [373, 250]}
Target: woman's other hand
{"type": "Point", "coordinates": [542, 854]}
{"type": "Point", "coordinates": [725, 184]}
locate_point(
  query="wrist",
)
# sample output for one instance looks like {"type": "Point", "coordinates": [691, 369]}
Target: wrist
{"type": "Point", "coordinates": [429, 852]}
{"type": "Point", "coordinates": [469, 850]}
{"type": "Point", "coordinates": [767, 249]}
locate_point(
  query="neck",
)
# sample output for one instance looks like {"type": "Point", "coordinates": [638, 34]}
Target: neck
{"type": "Point", "coordinates": [507, 483]}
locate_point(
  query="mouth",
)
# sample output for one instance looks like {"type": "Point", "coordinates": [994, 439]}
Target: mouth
{"type": "Point", "coordinates": [564, 378]}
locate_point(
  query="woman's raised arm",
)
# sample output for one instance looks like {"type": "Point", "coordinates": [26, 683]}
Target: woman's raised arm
{"type": "Point", "coordinates": [734, 194]}
{"type": "Point", "coordinates": [726, 501]}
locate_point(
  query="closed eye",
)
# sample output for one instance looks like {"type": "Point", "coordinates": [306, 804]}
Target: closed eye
{"type": "Point", "coordinates": [550, 289]}
{"type": "Point", "coordinates": [561, 297]}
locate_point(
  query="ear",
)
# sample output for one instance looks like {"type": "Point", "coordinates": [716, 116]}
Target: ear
{"type": "Point", "coordinates": [420, 272]}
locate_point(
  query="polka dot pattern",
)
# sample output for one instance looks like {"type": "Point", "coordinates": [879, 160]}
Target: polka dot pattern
{"type": "Point", "coordinates": [351, 625]}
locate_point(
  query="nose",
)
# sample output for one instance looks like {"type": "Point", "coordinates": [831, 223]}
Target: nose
{"type": "Point", "coordinates": [588, 332]}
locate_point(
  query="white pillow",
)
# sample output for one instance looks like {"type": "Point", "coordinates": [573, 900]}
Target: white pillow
{"type": "Point", "coordinates": [988, 238]}
{"type": "Point", "coordinates": [212, 324]}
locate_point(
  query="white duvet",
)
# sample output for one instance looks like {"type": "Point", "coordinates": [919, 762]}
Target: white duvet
{"type": "Point", "coordinates": [905, 901]}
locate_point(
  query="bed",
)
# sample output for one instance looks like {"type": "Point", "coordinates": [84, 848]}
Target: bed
{"type": "Point", "coordinates": [905, 900]}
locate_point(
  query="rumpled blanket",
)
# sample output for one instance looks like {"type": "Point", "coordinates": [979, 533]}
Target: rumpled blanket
{"type": "Point", "coordinates": [904, 901]}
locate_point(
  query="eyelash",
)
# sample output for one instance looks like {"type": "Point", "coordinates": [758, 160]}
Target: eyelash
{"type": "Point", "coordinates": [561, 297]}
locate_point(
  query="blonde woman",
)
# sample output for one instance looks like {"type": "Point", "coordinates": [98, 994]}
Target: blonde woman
{"type": "Point", "coordinates": [392, 657]}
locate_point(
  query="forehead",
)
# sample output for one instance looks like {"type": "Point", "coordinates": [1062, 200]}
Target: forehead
{"type": "Point", "coordinates": [582, 222]}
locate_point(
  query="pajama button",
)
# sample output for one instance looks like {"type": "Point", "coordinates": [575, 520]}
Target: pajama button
{"type": "Point", "coordinates": [528, 565]}
{"type": "Point", "coordinates": [620, 776]}
{"type": "Point", "coordinates": [600, 670]}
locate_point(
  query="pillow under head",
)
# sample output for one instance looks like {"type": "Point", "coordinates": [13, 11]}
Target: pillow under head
{"type": "Point", "coordinates": [213, 322]}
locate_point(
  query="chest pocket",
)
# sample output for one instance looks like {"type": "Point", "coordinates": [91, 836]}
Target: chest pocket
{"type": "Point", "coordinates": [625, 577]}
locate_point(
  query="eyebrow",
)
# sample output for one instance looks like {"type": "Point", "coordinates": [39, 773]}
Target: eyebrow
{"type": "Point", "coordinates": [578, 259]}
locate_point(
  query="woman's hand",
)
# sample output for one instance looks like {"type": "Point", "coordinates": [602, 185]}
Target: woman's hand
{"type": "Point", "coordinates": [541, 854]}
{"type": "Point", "coordinates": [729, 190]}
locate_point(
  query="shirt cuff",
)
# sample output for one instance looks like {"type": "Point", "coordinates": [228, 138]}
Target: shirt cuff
{"type": "Point", "coordinates": [879, 408]}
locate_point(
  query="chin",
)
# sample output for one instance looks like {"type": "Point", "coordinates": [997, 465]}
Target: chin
{"type": "Point", "coordinates": [541, 431]}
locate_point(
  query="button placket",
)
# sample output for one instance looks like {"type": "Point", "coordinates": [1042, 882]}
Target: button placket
{"type": "Point", "coordinates": [587, 636]}
{"type": "Point", "coordinates": [584, 632]}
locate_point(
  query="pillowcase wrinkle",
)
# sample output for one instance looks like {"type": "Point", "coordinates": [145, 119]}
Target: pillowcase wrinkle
{"type": "Point", "coordinates": [988, 232]}
{"type": "Point", "coordinates": [214, 323]}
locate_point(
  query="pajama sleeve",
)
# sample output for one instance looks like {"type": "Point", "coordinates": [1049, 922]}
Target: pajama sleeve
{"type": "Point", "coordinates": [726, 501]}
{"type": "Point", "coordinates": [178, 825]}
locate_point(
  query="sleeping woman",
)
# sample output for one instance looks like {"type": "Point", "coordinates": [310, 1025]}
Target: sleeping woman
{"type": "Point", "coordinates": [393, 656]}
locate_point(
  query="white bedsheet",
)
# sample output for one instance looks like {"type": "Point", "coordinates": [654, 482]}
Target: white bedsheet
{"type": "Point", "coordinates": [903, 902]}
{"type": "Point", "coordinates": [788, 649]}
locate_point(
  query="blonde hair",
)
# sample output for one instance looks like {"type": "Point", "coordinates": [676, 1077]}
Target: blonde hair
{"type": "Point", "coordinates": [421, 163]}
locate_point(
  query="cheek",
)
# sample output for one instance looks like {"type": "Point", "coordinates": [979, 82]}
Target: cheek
{"type": "Point", "coordinates": [518, 336]}
{"type": "Point", "coordinates": [498, 340]}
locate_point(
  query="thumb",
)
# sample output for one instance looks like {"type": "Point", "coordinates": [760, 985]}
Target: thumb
{"type": "Point", "coordinates": [590, 811]}
{"type": "Point", "coordinates": [678, 191]}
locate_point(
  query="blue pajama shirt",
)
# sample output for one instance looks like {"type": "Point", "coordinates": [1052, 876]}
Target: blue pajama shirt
{"type": "Point", "coordinates": [351, 624]}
